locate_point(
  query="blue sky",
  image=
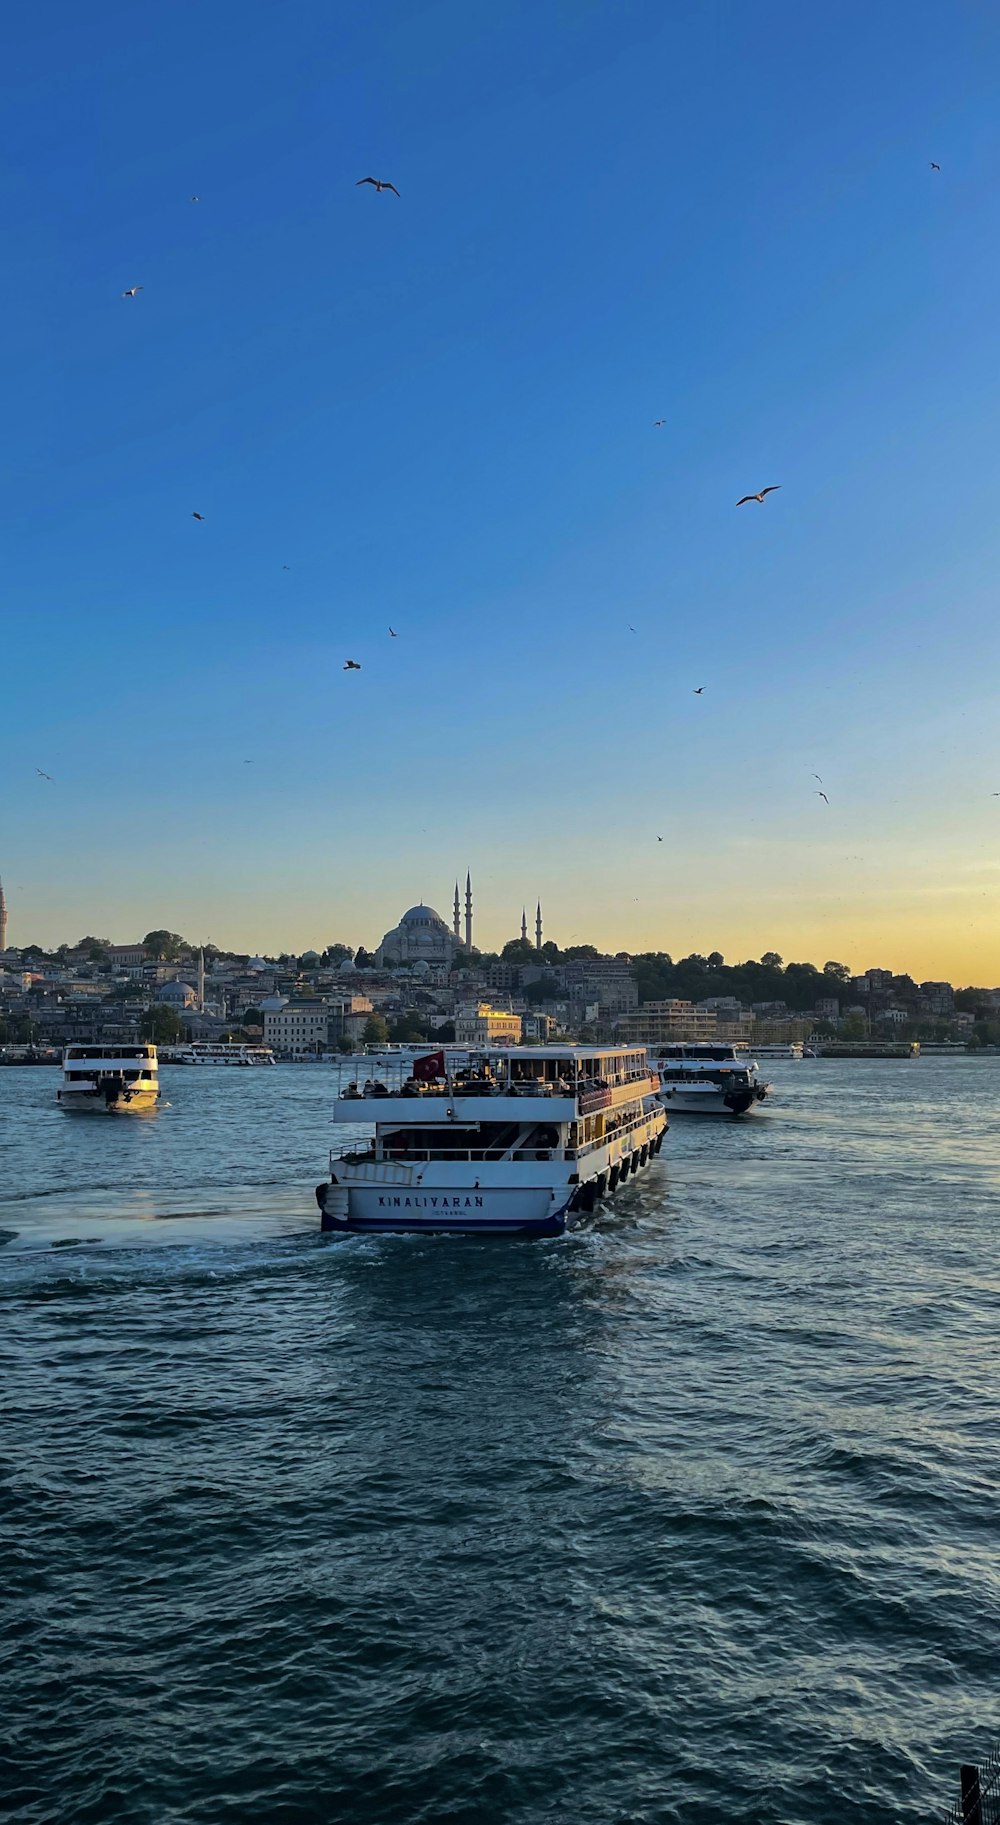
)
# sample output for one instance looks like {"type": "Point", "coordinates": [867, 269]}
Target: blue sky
{"type": "Point", "coordinates": [438, 410]}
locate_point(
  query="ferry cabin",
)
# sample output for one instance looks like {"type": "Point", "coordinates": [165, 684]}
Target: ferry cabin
{"type": "Point", "coordinates": [517, 1139]}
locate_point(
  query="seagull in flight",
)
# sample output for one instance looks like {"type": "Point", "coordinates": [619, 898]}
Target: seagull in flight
{"type": "Point", "coordinates": [659, 839]}
{"type": "Point", "coordinates": [379, 184]}
{"type": "Point", "coordinates": [351, 665]}
{"type": "Point", "coordinates": [934, 167]}
{"type": "Point", "coordinates": [758, 497]}
{"type": "Point", "coordinates": [657, 422]}
{"type": "Point", "coordinates": [130, 293]}
{"type": "Point", "coordinates": [823, 796]}
{"type": "Point", "coordinates": [818, 776]}
{"type": "Point", "coordinates": [195, 199]}
{"type": "Point", "coordinates": [393, 633]}
{"type": "Point", "coordinates": [698, 690]}
{"type": "Point", "coordinates": [42, 775]}
{"type": "Point", "coordinates": [248, 763]}
{"type": "Point", "coordinates": [197, 516]}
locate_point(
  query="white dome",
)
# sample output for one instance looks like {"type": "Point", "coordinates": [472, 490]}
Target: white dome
{"type": "Point", "coordinates": [272, 1004]}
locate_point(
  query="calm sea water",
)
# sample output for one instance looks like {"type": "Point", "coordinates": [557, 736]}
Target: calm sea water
{"type": "Point", "coordinates": [691, 1516]}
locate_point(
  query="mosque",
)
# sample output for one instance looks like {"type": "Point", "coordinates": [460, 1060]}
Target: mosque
{"type": "Point", "coordinates": [423, 937]}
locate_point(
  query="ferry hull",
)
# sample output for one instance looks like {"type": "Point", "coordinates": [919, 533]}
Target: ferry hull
{"type": "Point", "coordinates": [93, 1102]}
{"type": "Point", "coordinates": [481, 1211]}
{"type": "Point", "coordinates": [711, 1102]}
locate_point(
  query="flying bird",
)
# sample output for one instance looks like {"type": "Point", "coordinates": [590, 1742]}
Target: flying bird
{"type": "Point", "coordinates": [823, 796]}
{"type": "Point", "coordinates": [818, 776]}
{"type": "Point", "coordinates": [351, 665]}
{"type": "Point", "coordinates": [659, 839]}
{"type": "Point", "coordinates": [197, 516]}
{"type": "Point", "coordinates": [42, 775]}
{"type": "Point", "coordinates": [130, 293]}
{"type": "Point", "coordinates": [758, 497]}
{"type": "Point", "coordinates": [934, 167]}
{"type": "Point", "coordinates": [286, 567]}
{"type": "Point", "coordinates": [698, 690]}
{"type": "Point", "coordinates": [657, 422]}
{"type": "Point", "coordinates": [378, 183]}
{"type": "Point", "coordinates": [195, 199]}
{"type": "Point", "coordinates": [248, 763]}
{"type": "Point", "coordinates": [393, 633]}
{"type": "Point", "coordinates": [631, 629]}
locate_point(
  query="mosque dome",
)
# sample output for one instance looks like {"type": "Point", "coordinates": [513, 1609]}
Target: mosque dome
{"type": "Point", "coordinates": [421, 967]}
{"type": "Point", "coordinates": [423, 915]}
{"type": "Point", "coordinates": [309, 957]}
{"type": "Point", "coordinates": [272, 1004]}
{"type": "Point", "coordinates": [177, 994]}
{"type": "Point", "coordinates": [258, 963]}
{"type": "Point", "coordinates": [347, 968]}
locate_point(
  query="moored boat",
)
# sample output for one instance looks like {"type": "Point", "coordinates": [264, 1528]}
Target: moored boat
{"type": "Point", "coordinates": [207, 1052]}
{"type": "Point", "coordinates": [707, 1079]}
{"type": "Point", "coordinates": [519, 1141]}
{"type": "Point", "coordinates": [109, 1080]}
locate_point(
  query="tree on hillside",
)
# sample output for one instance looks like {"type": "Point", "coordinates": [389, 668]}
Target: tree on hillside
{"type": "Point", "coordinates": [518, 950]}
{"type": "Point", "coordinates": [408, 1030]}
{"type": "Point", "coordinates": [336, 953]}
{"type": "Point", "coordinates": [580, 953]}
{"type": "Point", "coordinates": [771, 960]}
{"type": "Point", "coordinates": [376, 1031]}
{"type": "Point", "coordinates": [715, 960]}
{"type": "Point", "coordinates": [363, 958]}
{"type": "Point", "coordinates": [164, 946]}
{"type": "Point", "coordinates": [162, 1025]}
{"type": "Point", "coordinates": [838, 971]}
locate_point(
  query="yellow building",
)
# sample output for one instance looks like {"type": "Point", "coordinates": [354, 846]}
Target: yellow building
{"type": "Point", "coordinates": [483, 1025]}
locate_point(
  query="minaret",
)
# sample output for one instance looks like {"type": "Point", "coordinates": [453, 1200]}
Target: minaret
{"type": "Point", "coordinates": [3, 921]}
{"type": "Point", "coordinates": [458, 913]}
{"type": "Point", "coordinates": [201, 981]}
{"type": "Point", "coordinates": [468, 911]}
{"type": "Point", "coordinates": [524, 926]}
{"type": "Point", "coordinates": [538, 926]}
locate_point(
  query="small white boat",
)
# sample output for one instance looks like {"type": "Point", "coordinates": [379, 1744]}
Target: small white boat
{"type": "Point", "coordinates": [203, 1052]}
{"type": "Point", "coordinates": [109, 1080]}
{"type": "Point", "coordinates": [708, 1080]}
{"type": "Point", "coordinates": [519, 1141]}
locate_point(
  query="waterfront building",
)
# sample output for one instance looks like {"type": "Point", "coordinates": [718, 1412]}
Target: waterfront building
{"type": "Point", "coordinates": [659, 1022]}
{"type": "Point", "coordinates": [300, 1026]}
{"type": "Point", "coordinates": [483, 1025]}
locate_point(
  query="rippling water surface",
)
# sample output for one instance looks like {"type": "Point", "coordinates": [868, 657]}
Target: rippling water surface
{"type": "Point", "coordinates": [691, 1516]}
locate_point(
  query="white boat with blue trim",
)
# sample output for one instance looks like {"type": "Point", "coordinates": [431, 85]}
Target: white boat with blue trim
{"type": "Point", "coordinates": [522, 1140]}
{"type": "Point", "coordinates": [709, 1079]}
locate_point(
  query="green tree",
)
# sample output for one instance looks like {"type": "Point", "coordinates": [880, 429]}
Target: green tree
{"type": "Point", "coordinates": [164, 946]}
{"type": "Point", "coordinates": [336, 953]}
{"type": "Point", "coordinates": [518, 950]}
{"type": "Point", "coordinates": [838, 971]}
{"type": "Point", "coordinates": [162, 1025]}
{"type": "Point", "coordinates": [376, 1031]}
{"type": "Point", "coordinates": [715, 960]}
{"type": "Point", "coordinates": [363, 958]}
{"type": "Point", "coordinates": [407, 1030]}
{"type": "Point", "coordinates": [771, 960]}
{"type": "Point", "coordinates": [853, 1027]}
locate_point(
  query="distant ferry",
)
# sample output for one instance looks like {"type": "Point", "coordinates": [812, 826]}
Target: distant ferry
{"type": "Point", "coordinates": [708, 1080]}
{"type": "Point", "coordinates": [109, 1080]}
{"type": "Point", "coordinates": [520, 1141]}
{"type": "Point", "coordinates": [203, 1053]}
{"type": "Point", "coordinates": [789, 1048]}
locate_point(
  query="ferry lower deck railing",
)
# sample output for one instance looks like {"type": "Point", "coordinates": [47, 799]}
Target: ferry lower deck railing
{"type": "Point", "coordinates": [486, 1155]}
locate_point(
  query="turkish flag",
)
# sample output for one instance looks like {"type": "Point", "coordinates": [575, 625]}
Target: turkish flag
{"type": "Point", "coordinates": [428, 1070]}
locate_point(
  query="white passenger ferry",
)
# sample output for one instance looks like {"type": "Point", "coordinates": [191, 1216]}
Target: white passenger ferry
{"type": "Point", "coordinates": [520, 1140]}
{"type": "Point", "coordinates": [709, 1079]}
{"type": "Point", "coordinates": [109, 1080]}
{"type": "Point", "coordinates": [203, 1052]}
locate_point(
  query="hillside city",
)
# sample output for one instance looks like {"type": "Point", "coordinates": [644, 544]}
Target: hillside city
{"type": "Point", "coordinates": [425, 983]}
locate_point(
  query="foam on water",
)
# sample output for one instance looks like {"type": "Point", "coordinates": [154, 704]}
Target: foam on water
{"type": "Point", "coordinates": [689, 1515]}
